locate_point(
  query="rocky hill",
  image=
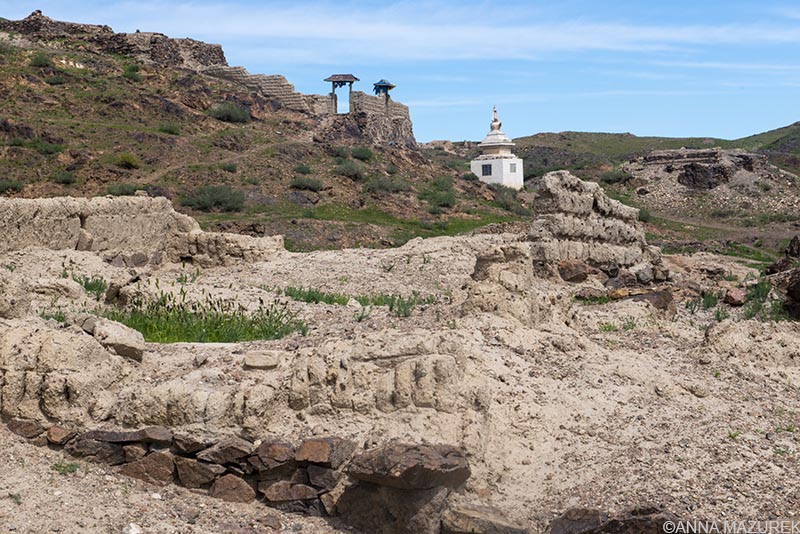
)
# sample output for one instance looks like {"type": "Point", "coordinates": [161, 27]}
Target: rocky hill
{"type": "Point", "coordinates": [87, 111]}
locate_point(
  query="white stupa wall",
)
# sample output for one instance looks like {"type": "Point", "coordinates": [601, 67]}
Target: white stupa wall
{"type": "Point", "coordinates": [505, 171]}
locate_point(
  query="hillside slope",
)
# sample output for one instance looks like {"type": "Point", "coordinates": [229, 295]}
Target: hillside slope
{"type": "Point", "coordinates": [83, 114]}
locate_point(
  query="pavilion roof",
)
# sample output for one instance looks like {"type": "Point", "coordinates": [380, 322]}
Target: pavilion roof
{"type": "Point", "coordinates": [341, 78]}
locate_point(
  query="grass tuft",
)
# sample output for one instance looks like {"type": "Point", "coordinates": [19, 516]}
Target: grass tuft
{"type": "Point", "coordinates": [210, 197]}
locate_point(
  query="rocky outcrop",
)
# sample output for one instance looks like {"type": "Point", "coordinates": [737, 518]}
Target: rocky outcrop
{"type": "Point", "coordinates": [106, 225]}
{"type": "Point", "coordinates": [14, 297]}
{"type": "Point", "coordinates": [152, 48]}
{"type": "Point", "coordinates": [590, 521]}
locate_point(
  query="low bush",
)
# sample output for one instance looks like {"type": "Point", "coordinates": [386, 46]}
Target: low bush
{"type": "Point", "coordinates": [303, 169]}
{"type": "Point", "coordinates": [126, 160]}
{"type": "Point", "coordinates": [131, 72]}
{"type": "Point", "coordinates": [55, 80]}
{"type": "Point", "coordinates": [315, 296]}
{"type": "Point", "coordinates": [64, 178]}
{"type": "Point", "coordinates": [229, 112]}
{"type": "Point", "coordinates": [383, 184]}
{"type": "Point", "coordinates": [228, 167]}
{"type": "Point", "coordinates": [41, 60]}
{"type": "Point", "coordinates": [469, 177]}
{"type": "Point", "coordinates": [10, 185]}
{"type": "Point", "coordinates": [210, 197]}
{"type": "Point", "coordinates": [341, 152]}
{"type": "Point", "coordinates": [123, 189]}
{"type": "Point", "coordinates": [38, 144]}
{"type": "Point", "coordinates": [506, 197]}
{"type": "Point", "coordinates": [95, 286]}
{"type": "Point", "coordinates": [350, 169]}
{"type": "Point", "coordinates": [306, 183]}
{"type": "Point", "coordinates": [362, 153]}
{"type": "Point", "coordinates": [644, 215]}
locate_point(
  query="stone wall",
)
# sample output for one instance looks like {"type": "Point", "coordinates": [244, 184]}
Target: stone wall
{"type": "Point", "coordinates": [132, 230]}
{"type": "Point", "coordinates": [273, 87]}
{"type": "Point", "coordinates": [382, 121]}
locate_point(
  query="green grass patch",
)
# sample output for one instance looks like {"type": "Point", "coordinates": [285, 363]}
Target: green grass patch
{"type": "Point", "coordinates": [350, 169]}
{"type": "Point", "coordinates": [94, 286]}
{"type": "Point", "coordinates": [386, 184]}
{"type": "Point", "coordinates": [41, 60]}
{"type": "Point", "coordinates": [171, 319]}
{"type": "Point", "coordinates": [65, 468]}
{"type": "Point", "coordinates": [38, 144]}
{"type": "Point", "coordinates": [439, 193]}
{"type": "Point", "coordinates": [303, 169]}
{"type": "Point", "coordinates": [169, 128]}
{"type": "Point", "coordinates": [315, 296]}
{"type": "Point", "coordinates": [64, 178]}
{"type": "Point", "coordinates": [131, 72]}
{"type": "Point", "coordinates": [508, 199]}
{"type": "Point", "coordinates": [228, 167]}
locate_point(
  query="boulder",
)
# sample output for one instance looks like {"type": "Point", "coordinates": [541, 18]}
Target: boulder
{"type": "Point", "coordinates": [793, 293]}
{"type": "Point", "coordinates": [231, 488]}
{"type": "Point", "coordinates": [227, 451]}
{"type": "Point", "coordinates": [384, 510]}
{"type": "Point", "coordinates": [477, 519]}
{"type": "Point", "coordinates": [124, 341]}
{"type": "Point", "coordinates": [411, 467]}
{"type": "Point", "coordinates": [157, 435]}
{"type": "Point", "coordinates": [98, 451]}
{"type": "Point", "coordinates": [195, 474]}
{"type": "Point", "coordinates": [156, 468]}
{"type": "Point", "coordinates": [322, 477]}
{"type": "Point", "coordinates": [58, 435]}
{"type": "Point", "coordinates": [285, 490]}
{"type": "Point", "coordinates": [262, 359]}
{"type": "Point", "coordinates": [735, 297]}
{"type": "Point", "coordinates": [27, 428]}
{"type": "Point", "coordinates": [573, 271]}
{"type": "Point", "coordinates": [660, 300]}
{"type": "Point", "coordinates": [330, 451]}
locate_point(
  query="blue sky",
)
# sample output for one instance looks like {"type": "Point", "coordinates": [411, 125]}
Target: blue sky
{"type": "Point", "coordinates": [700, 68]}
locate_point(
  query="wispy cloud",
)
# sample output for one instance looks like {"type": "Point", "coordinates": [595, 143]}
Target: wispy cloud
{"type": "Point", "coordinates": [414, 31]}
{"type": "Point", "coordinates": [721, 65]}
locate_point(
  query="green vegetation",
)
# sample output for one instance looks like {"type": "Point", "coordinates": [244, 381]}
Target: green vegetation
{"type": "Point", "coordinates": [608, 327]}
{"type": "Point", "coordinates": [720, 314]}
{"type": "Point", "coordinates": [171, 319]}
{"type": "Point", "coordinates": [126, 160]}
{"type": "Point", "coordinates": [303, 169]}
{"type": "Point", "coordinates": [131, 72]}
{"type": "Point", "coordinates": [123, 189]}
{"type": "Point", "coordinates": [362, 153]}
{"type": "Point", "coordinates": [211, 197]}
{"type": "Point", "coordinates": [386, 184]}
{"type": "Point", "coordinates": [614, 177]}
{"type": "Point", "coordinates": [592, 301]}
{"type": "Point", "coordinates": [16, 497]}
{"type": "Point", "coordinates": [306, 183]}
{"type": "Point", "coordinates": [64, 178]}
{"type": "Point", "coordinates": [350, 169]}
{"type": "Point", "coordinates": [710, 299]}
{"type": "Point", "coordinates": [229, 112]}
{"type": "Point", "coordinates": [57, 315]}
{"type": "Point", "coordinates": [170, 128]}
{"type": "Point", "coordinates": [41, 60]}
{"type": "Point", "coordinates": [95, 286]}
{"type": "Point", "coordinates": [469, 177]}
{"type": "Point", "coordinates": [315, 296]}
{"type": "Point", "coordinates": [228, 167]}
{"type": "Point", "coordinates": [38, 144]}
{"type": "Point", "coordinates": [760, 306]}
{"type": "Point", "coordinates": [10, 185]}
{"type": "Point", "coordinates": [439, 194]}
{"type": "Point", "coordinates": [629, 323]}
{"type": "Point", "coordinates": [65, 468]}
{"type": "Point", "coordinates": [644, 215]}
{"type": "Point", "coordinates": [341, 152]}
{"type": "Point", "coordinates": [507, 198]}
{"type": "Point", "coordinates": [55, 80]}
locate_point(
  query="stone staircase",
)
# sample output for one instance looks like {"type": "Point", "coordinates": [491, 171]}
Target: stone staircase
{"type": "Point", "coordinates": [272, 86]}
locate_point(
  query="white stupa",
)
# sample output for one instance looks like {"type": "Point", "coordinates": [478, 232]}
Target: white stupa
{"type": "Point", "coordinates": [497, 165]}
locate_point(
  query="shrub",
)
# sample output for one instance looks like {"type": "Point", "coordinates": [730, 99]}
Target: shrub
{"type": "Point", "coordinates": [362, 153]}
{"type": "Point", "coordinates": [644, 215]}
{"type": "Point", "coordinates": [122, 189]}
{"type": "Point", "coordinates": [64, 178]}
{"type": "Point", "coordinates": [41, 60]}
{"type": "Point", "coordinates": [38, 144]}
{"type": "Point", "coordinates": [170, 128]}
{"type": "Point", "coordinates": [303, 169]}
{"type": "Point", "coordinates": [439, 193]}
{"type": "Point", "coordinates": [306, 183]}
{"type": "Point", "coordinates": [56, 80]}
{"type": "Point", "coordinates": [95, 286]}
{"type": "Point", "coordinates": [126, 160]}
{"type": "Point", "coordinates": [6, 48]}
{"type": "Point", "coordinates": [131, 72]}
{"type": "Point", "coordinates": [506, 197]}
{"type": "Point", "coordinates": [350, 169]}
{"type": "Point", "coordinates": [341, 152]}
{"type": "Point", "coordinates": [229, 112]}
{"type": "Point", "coordinates": [469, 177]}
{"type": "Point", "coordinates": [381, 184]}
{"type": "Point", "coordinates": [228, 167]}
{"type": "Point", "coordinates": [315, 296]}
{"type": "Point", "coordinates": [211, 197]}
{"type": "Point", "coordinates": [10, 185]}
